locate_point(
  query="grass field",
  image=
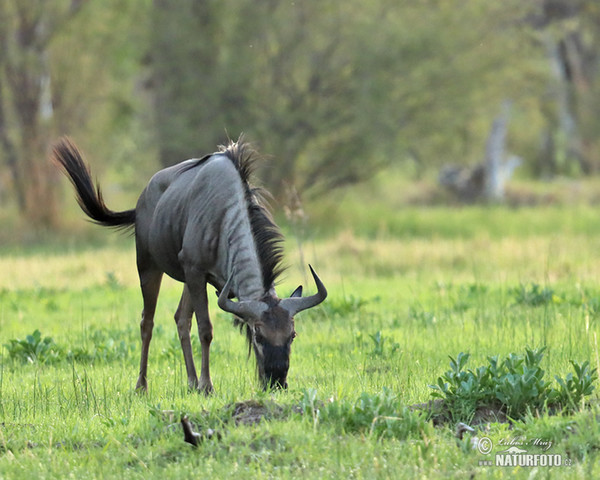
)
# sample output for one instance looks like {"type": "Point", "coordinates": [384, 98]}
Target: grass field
{"type": "Point", "coordinates": [405, 295]}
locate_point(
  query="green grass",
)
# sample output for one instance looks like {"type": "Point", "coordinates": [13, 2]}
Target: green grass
{"type": "Point", "coordinates": [403, 299]}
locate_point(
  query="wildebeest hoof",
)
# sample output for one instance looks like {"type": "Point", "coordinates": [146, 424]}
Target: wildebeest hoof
{"type": "Point", "coordinates": [141, 389]}
{"type": "Point", "coordinates": [206, 389]}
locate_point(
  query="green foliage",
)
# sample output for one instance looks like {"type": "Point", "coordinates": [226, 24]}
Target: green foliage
{"type": "Point", "coordinates": [379, 342]}
{"type": "Point", "coordinates": [341, 306]}
{"type": "Point", "coordinates": [378, 414]}
{"type": "Point", "coordinates": [534, 295]}
{"type": "Point", "coordinates": [463, 390]}
{"type": "Point", "coordinates": [424, 318]}
{"type": "Point", "coordinates": [315, 88]}
{"type": "Point", "coordinates": [354, 403]}
{"type": "Point", "coordinates": [112, 281]}
{"type": "Point", "coordinates": [34, 349]}
{"type": "Point", "coordinates": [574, 388]}
{"type": "Point", "coordinates": [309, 81]}
{"type": "Point", "coordinates": [519, 383]}
{"type": "Point", "coordinates": [516, 384]}
{"type": "Point", "coordinates": [102, 347]}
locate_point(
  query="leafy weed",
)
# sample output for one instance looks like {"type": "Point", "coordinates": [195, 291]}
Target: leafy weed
{"type": "Point", "coordinates": [34, 349]}
{"type": "Point", "coordinates": [380, 414]}
{"type": "Point", "coordinates": [534, 295]}
{"type": "Point", "coordinates": [379, 345]}
{"type": "Point", "coordinates": [515, 384]}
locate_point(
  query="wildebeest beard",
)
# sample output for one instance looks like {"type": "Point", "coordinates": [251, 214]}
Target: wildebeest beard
{"type": "Point", "coordinates": [275, 364]}
{"type": "Point", "coordinates": [272, 364]}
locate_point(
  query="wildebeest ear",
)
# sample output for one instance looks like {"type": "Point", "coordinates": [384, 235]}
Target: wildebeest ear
{"type": "Point", "coordinates": [297, 292]}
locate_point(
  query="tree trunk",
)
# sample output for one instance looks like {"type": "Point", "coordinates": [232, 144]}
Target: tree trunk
{"type": "Point", "coordinates": [26, 29]}
{"type": "Point", "coordinates": [41, 209]}
{"type": "Point", "coordinates": [494, 157]}
{"type": "Point", "coordinates": [10, 153]}
{"type": "Point", "coordinates": [486, 180]}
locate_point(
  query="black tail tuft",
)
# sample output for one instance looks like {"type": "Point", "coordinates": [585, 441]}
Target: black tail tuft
{"type": "Point", "coordinates": [89, 197]}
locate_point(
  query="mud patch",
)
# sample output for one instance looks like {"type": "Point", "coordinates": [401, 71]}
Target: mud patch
{"type": "Point", "coordinates": [249, 412]}
{"type": "Point", "coordinates": [252, 412]}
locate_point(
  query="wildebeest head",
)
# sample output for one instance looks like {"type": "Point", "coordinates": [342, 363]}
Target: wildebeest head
{"type": "Point", "coordinates": [270, 327]}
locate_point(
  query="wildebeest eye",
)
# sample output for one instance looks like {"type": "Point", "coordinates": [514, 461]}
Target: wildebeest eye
{"type": "Point", "coordinates": [259, 338]}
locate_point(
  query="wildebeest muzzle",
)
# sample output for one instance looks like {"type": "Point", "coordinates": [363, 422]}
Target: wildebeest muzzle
{"type": "Point", "coordinates": [275, 366]}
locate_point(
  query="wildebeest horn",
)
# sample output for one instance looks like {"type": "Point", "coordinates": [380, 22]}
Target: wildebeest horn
{"type": "Point", "coordinates": [246, 310]}
{"type": "Point", "coordinates": [295, 305]}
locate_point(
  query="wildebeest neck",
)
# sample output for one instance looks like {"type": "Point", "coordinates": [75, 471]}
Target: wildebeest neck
{"type": "Point", "coordinates": [267, 237]}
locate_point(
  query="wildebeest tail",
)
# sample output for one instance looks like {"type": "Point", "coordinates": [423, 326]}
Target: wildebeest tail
{"type": "Point", "coordinates": [89, 196]}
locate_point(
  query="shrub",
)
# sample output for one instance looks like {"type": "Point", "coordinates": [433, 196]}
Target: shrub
{"type": "Point", "coordinates": [34, 349]}
{"type": "Point", "coordinates": [515, 384]}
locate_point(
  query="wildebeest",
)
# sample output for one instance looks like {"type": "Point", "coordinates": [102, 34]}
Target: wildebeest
{"type": "Point", "coordinates": [202, 222]}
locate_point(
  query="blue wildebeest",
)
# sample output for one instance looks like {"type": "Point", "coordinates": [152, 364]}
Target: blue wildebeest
{"type": "Point", "coordinates": [201, 222]}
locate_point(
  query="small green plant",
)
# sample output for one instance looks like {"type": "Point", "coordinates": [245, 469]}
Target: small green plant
{"type": "Point", "coordinates": [423, 317]}
{"type": "Point", "coordinates": [379, 414]}
{"type": "Point", "coordinates": [173, 348]}
{"type": "Point", "coordinates": [463, 390]}
{"type": "Point", "coordinates": [103, 347]}
{"type": "Point", "coordinates": [592, 306]}
{"type": "Point", "coordinates": [310, 405]}
{"type": "Point", "coordinates": [469, 296]}
{"type": "Point", "coordinates": [519, 382]}
{"type": "Point", "coordinates": [34, 349]}
{"type": "Point", "coordinates": [534, 295]}
{"type": "Point", "coordinates": [516, 385]}
{"type": "Point", "coordinates": [379, 342]}
{"type": "Point", "coordinates": [574, 388]}
{"type": "Point", "coordinates": [112, 282]}
{"type": "Point", "coordinates": [343, 306]}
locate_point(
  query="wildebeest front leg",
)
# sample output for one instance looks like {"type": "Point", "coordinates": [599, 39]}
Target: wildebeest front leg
{"type": "Point", "coordinates": [197, 290]}
{"type": "Point", "coordinates": [150, 283]}
{"type": "Point", "coordinates": [183, 318]}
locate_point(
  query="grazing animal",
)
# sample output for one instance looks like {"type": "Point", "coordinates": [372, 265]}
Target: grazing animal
{"type": "Point", "coordinates": [201, 222]}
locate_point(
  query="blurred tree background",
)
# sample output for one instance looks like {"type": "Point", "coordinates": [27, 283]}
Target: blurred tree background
{"type": "Point", "coordinates": [332, 91]}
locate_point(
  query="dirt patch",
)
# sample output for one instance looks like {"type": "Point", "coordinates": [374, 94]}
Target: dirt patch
{"type": "Point", "coordinates": [252, 412]}
{"type": "Point", "coordinates": [249, 412]}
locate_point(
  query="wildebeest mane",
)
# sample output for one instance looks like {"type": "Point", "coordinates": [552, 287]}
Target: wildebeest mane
{"type": "Point", "coordinates": [244, 330]}
{"type": "Point", "coordinates": [267, 237]}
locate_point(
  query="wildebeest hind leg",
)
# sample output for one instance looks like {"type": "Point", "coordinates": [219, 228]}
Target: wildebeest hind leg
{"type": "Point", "coordinates": [183, 319]}
{"type": "Point", "coordinates": [150, 284]}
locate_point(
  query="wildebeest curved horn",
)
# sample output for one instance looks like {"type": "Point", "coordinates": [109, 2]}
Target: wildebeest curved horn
{"type": "Point", "coordinates": [246, 310]}
{"type": "Point", "coordinates": [295, 305]}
